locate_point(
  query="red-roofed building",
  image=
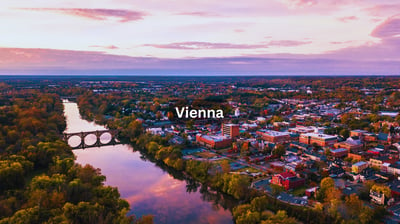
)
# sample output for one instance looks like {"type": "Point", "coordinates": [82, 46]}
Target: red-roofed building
{"type": "Point", "coordinates": [213, 141]}
{"type": "Point", "coordinates": [288, 180]}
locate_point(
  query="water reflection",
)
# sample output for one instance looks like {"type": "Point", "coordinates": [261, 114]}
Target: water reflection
{"type": "Point", "coordinates": [150, 187]}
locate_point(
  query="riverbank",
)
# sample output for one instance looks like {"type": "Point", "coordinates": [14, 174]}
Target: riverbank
{"type": "Point", "coordinates": [151, 187]}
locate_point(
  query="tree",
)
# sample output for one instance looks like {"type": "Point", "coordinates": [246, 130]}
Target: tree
{"type": "Point", "coordinates": [280, 218]}
{"type": "Point", "coordinates": [327, 184]}
{"type": "Point", "coordinates": [382, 189]}
{"type": "Point", "coordinates": [345, 133]}
{"type": "Point", "coordinates": [225, 166]}
{"type": "Point", "coordinates": [354, 206]}
{"type": "Point", "coordinates": [279, 150]}
{"type": "Point", "coordinates": [276, 189]}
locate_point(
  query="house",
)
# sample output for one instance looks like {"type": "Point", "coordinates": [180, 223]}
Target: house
{"type": "Point", "coordinates": [288, 180]}
{"type": "Point", "coordinates": [380, 198]}
{"type": "Point", "coordinates": [359, 166]}
{"type": "Point", "coordinates": [310, 192]}
{"type": "Point", "coordinates": [394, 169]}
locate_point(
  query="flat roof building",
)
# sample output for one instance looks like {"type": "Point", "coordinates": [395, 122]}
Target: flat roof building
{"type": "Point", "coordinates": [319, 139]}
{"type": "Point", "coordinates": [231, 130]}
{"type": "Point", "coordinates": [214, 141]}
{"type": "Point", "coordinates": [274, 136]}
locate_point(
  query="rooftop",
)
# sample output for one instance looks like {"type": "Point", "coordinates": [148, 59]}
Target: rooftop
{"type": "Point", "coordinates": [322, 136]}
{"type": "Point", "coordinates": [274, 133]}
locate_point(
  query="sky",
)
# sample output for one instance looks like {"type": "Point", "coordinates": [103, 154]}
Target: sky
{"type": "Point", "coordinates": [224, 37]}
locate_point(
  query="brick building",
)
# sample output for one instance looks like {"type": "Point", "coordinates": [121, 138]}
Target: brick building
{"type": "Point", "coordinates": [319, 139]}
{"type": "Point", "coordinates": [274, 136]}
{"type": "Point", "coordinates": [231, 130]}
{"type": "Point", "coordinates": [288, 180]}
{"type": "Point", "coordinates": [213, 141]}
{"type": "Point", "coordinates": [340, 152]}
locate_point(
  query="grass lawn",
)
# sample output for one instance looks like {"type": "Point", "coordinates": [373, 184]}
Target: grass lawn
{"type": "Point", "coordinates": [206, 154]}
{"type": "Point", "coordinates": [248, 169]}
{"type": "Point", "coordinates": [221, 160]}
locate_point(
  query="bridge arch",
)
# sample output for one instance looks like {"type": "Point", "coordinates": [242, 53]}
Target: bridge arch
{"type": "Point", "coordinates": [97, 143]}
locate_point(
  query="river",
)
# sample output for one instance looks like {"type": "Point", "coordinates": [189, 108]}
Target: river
{"type": "Point", "coordinates": [147, 187]}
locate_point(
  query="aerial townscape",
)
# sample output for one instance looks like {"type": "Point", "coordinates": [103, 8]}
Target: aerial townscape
{"type": "Point", "coordinates": [288, 150]}
{"type": "Point", "coordinates": [200, 112]}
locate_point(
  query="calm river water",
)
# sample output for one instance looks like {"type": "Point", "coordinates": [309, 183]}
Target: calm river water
{"type": "Point", "coordinates": [148, 188]}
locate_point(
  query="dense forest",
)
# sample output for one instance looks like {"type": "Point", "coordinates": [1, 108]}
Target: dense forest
{"type": "Point", "coordinates": [39, 180]}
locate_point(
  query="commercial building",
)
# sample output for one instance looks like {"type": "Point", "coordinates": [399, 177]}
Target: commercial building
{"type": "Point", "coordinates": [299, 129]}
{"type": "Point", "coordinates": [274, 136]}
{"type": "Point", "coordinates": [319, 139]}
{"type": "Point", "coordinates": [213, 141]}
{"type": "Point", "coordinates": [231, 130]}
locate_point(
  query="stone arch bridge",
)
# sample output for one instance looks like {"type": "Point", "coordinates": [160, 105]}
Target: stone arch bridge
{"type": "Point", "coordinates": [82, 135]}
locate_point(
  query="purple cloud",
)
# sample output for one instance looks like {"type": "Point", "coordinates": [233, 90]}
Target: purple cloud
{"type": "Point", "coordinates": [193, 45]}
{"type": "Point", "coordinates": [288, 43]}
{"type": "Point", "coordinates": [97, 14]}
{"type": "Point", "coordinates": [388, 29]}
{"type": "Point", "coordinates": [15, 61]}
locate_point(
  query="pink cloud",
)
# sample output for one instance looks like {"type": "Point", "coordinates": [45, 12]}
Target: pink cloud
{"type": "Point", "coordinates": [198, 13]}
{"type": "Point", "coordinates": [341, 42]}
{"type": "Point", "coordinates": [383, 9]}
{"type": "Point", "coordinates": [193, 45]}
{"type": "Point", "coordinates": [288, 43]}
{"type": "Point", "coordinates": [109, 47]}
{"type": "Point", "coordinates": [97, 14]}
{"type": "Point", "coordinates": [347, 19]}
{"type": "Point", "coordinates": [301, 3]}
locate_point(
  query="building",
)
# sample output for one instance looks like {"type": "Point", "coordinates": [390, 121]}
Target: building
{"type": "Point", "coordinates": [379, 161]}
{"type": "Point", "coordinates": [394, 169]}
{"type": "Point", "coordinates": [358, 133]}
{"type": "Point", "coordinates": [299, 129]}
{"type": "Point", "coordinates": [288, 180]}
{"type": "Point", "coordinates": [340, 152]}
{"type": "Point", "coordinates": [213, 141]}
{"type": "Point", "coordinates": [274, 136]}
{"type": "Point", "coordinates": [231, 130]}
{"type": "Point", "coordinates": [319, 139]}
{"type": "Point", "coordinates": [351, 145]}
{"type": "Point", "coordinates": [359, 166]}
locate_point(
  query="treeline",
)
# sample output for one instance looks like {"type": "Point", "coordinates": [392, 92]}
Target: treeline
{"type": "Point", "coordinates": [234, 185]}
{"type": "Point", "coordinates": [39, 181]}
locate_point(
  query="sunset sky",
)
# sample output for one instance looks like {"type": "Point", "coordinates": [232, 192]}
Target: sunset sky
{"type": "Point", "coordinates": [275, 37]}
